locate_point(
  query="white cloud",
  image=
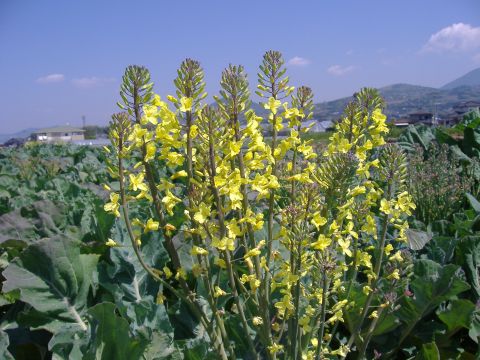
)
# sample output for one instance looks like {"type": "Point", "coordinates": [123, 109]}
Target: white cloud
{"type": "Point", "coordinates": [298, 61]}
{"type": "Point", "coordinates": [456, 37]}
{"type": "Point", "coordinates": [89, 82]}
{"type": "Point", "coordinates": [52, 78]}
{"type": "Point", "coordinates": [349, 52]}
{"type": "Point", "coordinates": [338, 70]}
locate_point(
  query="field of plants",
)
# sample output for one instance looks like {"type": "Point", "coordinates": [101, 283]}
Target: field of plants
{"type": "Point", "coordinates": [194, 236]}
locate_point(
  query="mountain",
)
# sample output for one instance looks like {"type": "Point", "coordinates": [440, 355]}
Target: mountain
{"type": "Point", "coordinates": [18, 135]}
{"type": "Point", "coordinates": [402, 99]}
{"type": "Point", "coordinates": [471, 78]}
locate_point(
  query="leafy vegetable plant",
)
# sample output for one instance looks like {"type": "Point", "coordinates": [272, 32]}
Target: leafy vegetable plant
{"type": "Point", "coordinates": [274, 250]}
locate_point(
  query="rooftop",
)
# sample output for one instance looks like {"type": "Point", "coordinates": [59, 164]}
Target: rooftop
{"type": "Point", "coordinates": [58, 129]}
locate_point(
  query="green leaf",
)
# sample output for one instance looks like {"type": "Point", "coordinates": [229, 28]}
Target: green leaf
{"type": "Point", "coordinates": [441, 249]}
{"type": "Point", "coordinates": [429, 352]}
{"type": "Point", "coordinates": [15, 227]}
{"type": "Point", "coordinates": [386, 324]}
{"type": "Point", "coordinates": [471, 141]}
{"type": "Point", "coordinates": [459, 154]}
{"type": "Point", "coordinates": [54, 278]}
{"type": "Point", "coordinates": [458, 314]}
{"type": "Point", "coordinates": [474, 331]}
{"type": "Point", "coordinates": [124, 277]}
{"type": "Point", "coordinates": [161, 347]}
{"type": "Point", "coordinates": [111, 338]}
{"type": "Point", "coordinates": [69, 343]}
{"type": "Point", "coordinates": [468, 254]}
{"type": "Point", "coordinates": [432, 285]}
{"type": "Point", "coordinates": [419, 134]}
{"type": "Point", "coordinates": [474, 203]}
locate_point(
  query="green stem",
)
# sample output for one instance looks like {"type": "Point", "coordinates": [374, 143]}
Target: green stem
{"type": "Point", "coordinates": [322, 317]}
{"type": "Point", "coordinates": [378, 265]}
{"type": "Point", "coordinates": [193, 306]}
{"type": "Point", "coordinates": [369, 334]}
{"type": "Point", "coordinates": [228, 259]}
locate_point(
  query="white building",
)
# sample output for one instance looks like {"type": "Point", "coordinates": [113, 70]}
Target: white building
{"type": "Point", "coordinates": [59, 134]}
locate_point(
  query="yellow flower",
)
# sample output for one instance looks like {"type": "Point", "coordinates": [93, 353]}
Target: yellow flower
{"type": "Point", "coordinates": [318, 220]}
{"type": "Point", "coordinates": [370, 227]}
{"type": "Point", "coordinates": [172, 98]}
{"type": "Point", "coordinates": [170, 201]}
{"type": "Point", "coordinates": [111, 243]}
{"type": "Point", "coordinates": [344, 146]}
{"type": "Point", "coordinates": [149, 114]}
{"type": "Point", "coordinates": [305, 323]}
{"type": "Point", "coordinates": [345, 244]}
{"type": "Point", "coordinates": [160, 298]}
{"type": "Point", "coordinates": [136, 182]}
{"type": "Point", "coordinates": [175, 159]}
{"type": "Point", "coordinates": [150, 153]}
{"type": "Point", "coordinates": [274, 348]}
{"type": "Point", "coordinates": [394, 275]}
{"type": "Point", "coordinates": [272, 105]}
{"type": "Point", "coordinates": [253, 252]}
{"type": "Point", "coordinates": [373, 315]}
{"type": "Point", "coordinates": [169, 227]}
{"type": "Point", "coordinates": [378, 117]}
{"type": "Point", "coordinates": [367, 290]}
{"type": "Point", "coordinates": [235, 147]}
{"type": "Point", "coordinates": [196, 250]}
{"type": "Point", "coordinates": [219, 292]}
{"type": "Point", "coordinates": [385, 206]}
{"type": "Point", "coordinates": [178, 174]}
{"type": "Point", "coordinates": [405, 203]}
{"type": "Point", "coordinates": [202, 214]}
{"type": "Point", "coordinates": [157, 101]}
{"type": "Point", "coordinates": [396, 257]}
{"type": "Point", "coordinates": [342, 351]}
{"type": "Point", "coordinates": [168, 272]}
{"type": "Point", "coordinates": [197, 270]}
{"type": "Point", "coordinates": [322, 243]}
{"type": "Point", "coordinates": [193, 131]}
{"type": "Point", "coordinates": [338, 315]}
{"type": "Point", "coordinates": [220, 263]}
{"type": "Point", "coordinates": [349, 229]}
{"type": "Point", "coordinates": [257, 320]}
{"type": "Point", "coordinates": [284, 305]}
{"type": "Point", "coordinates": [388, 249]}
{"type": "Point", "coordinates": [113, 205]}
{"type": "Point", "coordinates": [233, 229]}
{"type": "Point", "coordinates": [186, 104]}
{"type": "Point", "coordinates": [151, 225]}
{"type": "Point", "coordinates": [181, 274]}
{"type": "Point", "coordinates": [358, 190]}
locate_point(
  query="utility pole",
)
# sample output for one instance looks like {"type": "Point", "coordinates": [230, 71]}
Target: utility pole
{"type": "Point", "coordinates": [83, 121]}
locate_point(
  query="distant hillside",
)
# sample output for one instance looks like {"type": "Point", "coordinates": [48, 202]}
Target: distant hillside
{"type": "Point", "coordinates": [18, 135]}
{"type": "Point", "coordinates": [469, 79]}
{"type": "Point", "coordinates": [403, 99]}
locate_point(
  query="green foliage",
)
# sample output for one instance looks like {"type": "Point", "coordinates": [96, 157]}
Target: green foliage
{"type": "Point", "coordinates": [66, 295]}
{"type": "Point", "coordinates": [112, 336]}
{"type": "Point", "coordinates": [54, 278]}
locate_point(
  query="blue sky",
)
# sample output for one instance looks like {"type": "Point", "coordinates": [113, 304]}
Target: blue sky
{"type": "Point", "coordinates": [63, 59]}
